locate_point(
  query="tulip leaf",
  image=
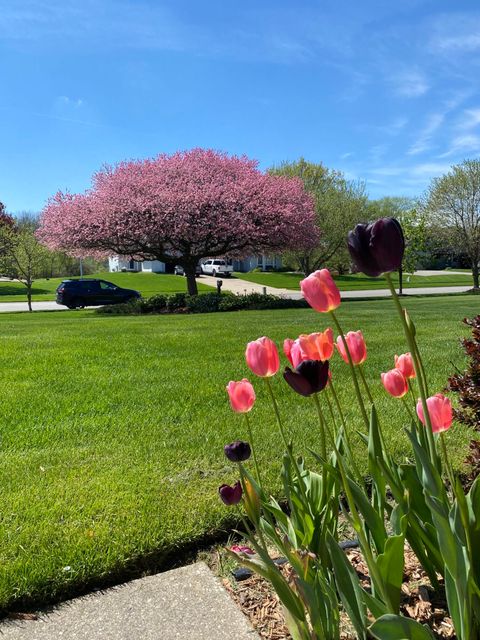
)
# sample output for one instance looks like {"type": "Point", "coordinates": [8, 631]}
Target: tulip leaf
{"type": "Point", "coordinates": [348, 586]}
{"type": "Point", "coordinates": [373, 521]}
{"type": "Point", "coordinates": [375, 452]}
{"type": "Point", "coordinates": [270, 572]}
{"type": "Point", "coordinates": [390, 564]}
{"type": "Point", "coordinates": [376, 607]}
{"type": "Point", "coordinates": [393, 627]}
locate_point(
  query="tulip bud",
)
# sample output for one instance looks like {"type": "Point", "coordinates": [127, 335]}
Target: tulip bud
{"type": "Point", "coordinates": [311, 376]}
{"type": "Point", "coordinates": [241, 395]}
{"type": "Point", "coordinates": [440, 411]}
{"type": "Point", "coordinates": [237, 451]}
{"type": "Point", "coordinates": [230, 495]}
{"type": "Point", "coordinates": [395, 383]}
{"type": "Point", "coordinates": [320, 291]}
{"type": "Point", "coordinates": [262, 357]}
{"type": "Point", "coordinates": [378, 247]}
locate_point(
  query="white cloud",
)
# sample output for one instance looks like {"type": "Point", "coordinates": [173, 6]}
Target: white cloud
{"type": "Point", "coordinates": [422, 143]}
{"type": "Point", "coordinates": [344, 156]}
{"type": "Point", "coordinates": [470, 119]}
{"type": "Point", "coordinates": [462, 144]}
{"type": "Point", "coordinates": [429, 169]}
{"type": "Point", "coordinates": [456, 33]}
{"type": "Point", "coordinates": [410, 84]}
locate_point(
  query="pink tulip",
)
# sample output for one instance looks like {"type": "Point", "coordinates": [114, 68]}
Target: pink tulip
{"type": "Point", "coordinates": [241, 395]}
{"type": "Point", "coordinates": [395, 383]}
{"type": "Point", "coordinates": [262, 357]}
{"type": "Point", "coordinates": [404, 363]}
{"type": "Point", "coordinates": [241, 548]}
{"type": "Point", "coordinates": [440, 412]}
{"type": "Point", "coordinates": [356, 346]}
{"type": "Point", "coordinates": [320, 291]}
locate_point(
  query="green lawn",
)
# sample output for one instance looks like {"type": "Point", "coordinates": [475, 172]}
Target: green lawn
{"type": "Point", "coordinates": [147, 283]}
{"type": "Point", "coordinates": [112, 428]}
{"type": "Point", "coordinates": [357, 281]}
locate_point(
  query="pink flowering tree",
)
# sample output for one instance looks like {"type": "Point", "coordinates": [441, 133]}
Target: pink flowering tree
{"type": "Point", "coordinates": [182, 208]}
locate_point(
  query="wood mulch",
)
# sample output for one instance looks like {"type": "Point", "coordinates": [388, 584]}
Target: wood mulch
{"type": "Point", "coordinates": [260, 604]}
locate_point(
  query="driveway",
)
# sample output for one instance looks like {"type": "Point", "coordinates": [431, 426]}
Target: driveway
{"type": "Point", "coordinates": [236, 285]}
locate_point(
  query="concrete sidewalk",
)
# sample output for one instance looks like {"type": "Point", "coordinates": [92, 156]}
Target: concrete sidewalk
{"type": "Point", "coordinates": [182, 604]}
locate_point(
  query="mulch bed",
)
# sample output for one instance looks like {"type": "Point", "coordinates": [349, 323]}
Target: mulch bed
{"type": "Point", "coordinates": [260, 604]}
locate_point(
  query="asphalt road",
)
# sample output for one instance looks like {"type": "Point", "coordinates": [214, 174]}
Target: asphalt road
{"type": "Point", "coordinates": [242, 286]}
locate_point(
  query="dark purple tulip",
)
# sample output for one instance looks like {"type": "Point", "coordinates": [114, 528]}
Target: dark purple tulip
{"type": "Point", "coordinates": [237, 451]}
{"type": "Point", "coordinates": [377, 247]}
{"type": "Point", "coordinates": [311, 376]}
{"type": "Point", "coordinates": [231, 495]}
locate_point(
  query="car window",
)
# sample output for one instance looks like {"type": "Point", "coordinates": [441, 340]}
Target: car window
{"type": "Point", "coordinates": [107, 285]}
{"type": "Point", "coordinates": [219, 262]}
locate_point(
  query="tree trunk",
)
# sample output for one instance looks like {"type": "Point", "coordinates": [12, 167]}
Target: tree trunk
{"type": "Point", "coordinates": [400, 280]}
{"type": "Point", "coordinates": [29, 297]}
{"type": "Point", "coordinates": [191, 280]}
{"type": "Point", "coordinates": [475, 273]}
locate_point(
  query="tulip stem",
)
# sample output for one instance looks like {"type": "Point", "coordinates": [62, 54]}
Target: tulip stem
{"type": "Point", "coordinates": [448, 466]}
{"type": "Point", "coordinates": [365, 384]}
{"type": "Point", "coordinates": [288, 446]}
{"type": "Point", "coordinates": [323, 446]}
{"type": "Point", "coordinates": [344, 431]}
{"type": "Point", "coordinates": [409, 411]}
{"type": "Point", "coordinates": [419, 372]}
{"type": "Point", "coordinates": [352, 369]}
{"type": "Point", "coordinates": [254, 455]}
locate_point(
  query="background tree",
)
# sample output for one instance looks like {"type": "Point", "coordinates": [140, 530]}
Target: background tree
{"type": "Point", "coordinates": [414, 224]}
{"type": "Point", "coordinates": [454, 202]}
{"type": "Point", "coordinates": [339, 205]}
{"type": "Point", "coordinates": [180, 209]}
{"type": "Point", "coordinates": [23, 256]}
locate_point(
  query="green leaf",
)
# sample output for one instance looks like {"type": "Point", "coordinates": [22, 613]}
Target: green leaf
{"type": "Point", "coordinates": [270, 572]}
{"type": "Point", "coordinates": [375, 452]}
{"type": "Point", "coordinates": [392, 627]}
{"type": "Point", "coordinates": [372, 519]}
{"type": "Point", "coordinates": [348, 587]}
{"type": "Point", "coordinates": [390, 564]}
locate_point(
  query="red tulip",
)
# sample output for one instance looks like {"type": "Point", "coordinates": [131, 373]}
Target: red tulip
{"type": "Point", "coordinates": [440, 412]}
{"type": "Point", "coordinates": [356, 346]}
{"type": "Point", "coordinates": [404, 363]}
{"type": "Point", "coordinates": [262, 357]}
{"type": "Point", "coordinates": [241, 395]}
{"type": "Point", "coordinates": [241, 548]}
{"type": "Point", "coordinates": [320, 291]}
{"type": "Point", "coordinates": [230, 495]}
{"type": "Point", "coordinates": [395, 383]}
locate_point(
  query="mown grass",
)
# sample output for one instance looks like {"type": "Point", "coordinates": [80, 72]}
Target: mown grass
{"type": "Point", "coordinates": [147, 283]}
{"type": "Point", "coordinates": [357, 281]}
{"type": "Point", "coordinates": [112, 428]}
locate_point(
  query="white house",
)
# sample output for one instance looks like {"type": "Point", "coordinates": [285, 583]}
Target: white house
{"type": "Point", "coordinates": [263, 262]}
{"type": "Point", "coordinates": [122, 263]}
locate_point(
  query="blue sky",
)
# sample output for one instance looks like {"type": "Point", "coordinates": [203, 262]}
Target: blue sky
{"type": "Point", "coordinates": [385, 91]}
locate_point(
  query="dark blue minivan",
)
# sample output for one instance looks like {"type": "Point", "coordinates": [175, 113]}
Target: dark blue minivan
{"type": "Point", "coordinates": [76, 294]}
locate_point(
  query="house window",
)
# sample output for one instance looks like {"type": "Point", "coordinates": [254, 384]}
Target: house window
{"type": "Point", "coordinates": [131, 264]}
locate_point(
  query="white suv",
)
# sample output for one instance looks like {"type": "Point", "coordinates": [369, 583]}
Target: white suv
{"type": "Point", "coordinates": [217, 268]}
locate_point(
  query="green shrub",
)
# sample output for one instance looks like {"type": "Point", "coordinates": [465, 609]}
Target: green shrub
{"type": "Point", "coordinates": [132, 308]}
{"type": "Point", "coordinates": [206, 303]}
{"type": "Point", "coordinates": [176, 302]}
{"type": "Point", "coordinates": [155, 304]}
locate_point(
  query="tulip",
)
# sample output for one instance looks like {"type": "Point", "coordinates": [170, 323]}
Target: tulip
{"type": "Point", "coordinates": [440, 412]}
{"type": "Point", "coordinates": [262, 357]}
{"type": "Point", "coordinates": [356, 346]}
{"type": "Point", "coordinates": [241, 395]}
{"type": "Point", "coordinates": [230, 495]}
{"type": "Point", "coordinates": [238, 451]}
{"type": "Point", "coordinates": [320, 291]}
{"type": "Point", "coordinates": [395, 383]}
{"type": "Point", "coordinates": [241, 548]}
{"type": "Point", "coordinates": [315, 346]}
{"type": "Point", "coordinates": [404, 363]}
{"type": "Point", "coordinates": [378, 247]}
{"type": "Point", "coordinates": [311, 376]}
